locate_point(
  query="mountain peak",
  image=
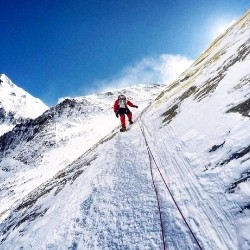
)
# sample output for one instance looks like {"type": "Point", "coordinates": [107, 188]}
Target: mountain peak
{"type": "Point", "coordinates": [16, 104]}
{"type": "Point", "coordinates": [4, 80]}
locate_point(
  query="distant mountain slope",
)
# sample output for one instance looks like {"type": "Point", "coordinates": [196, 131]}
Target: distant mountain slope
{"type": "Point", "coordinates": [16, 105]}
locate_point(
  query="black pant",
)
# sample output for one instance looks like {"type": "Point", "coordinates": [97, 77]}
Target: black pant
{"type": "Point", "coordinates": [122, 111]}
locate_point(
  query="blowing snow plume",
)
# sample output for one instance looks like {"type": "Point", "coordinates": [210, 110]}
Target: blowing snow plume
{"type": "Point", "coordinates": [158, 70]}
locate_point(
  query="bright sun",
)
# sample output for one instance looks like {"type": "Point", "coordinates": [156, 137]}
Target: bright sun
{"type": "Point", "coordinates": [221, 27]}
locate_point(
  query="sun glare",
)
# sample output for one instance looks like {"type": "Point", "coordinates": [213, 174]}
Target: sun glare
{"type": "Point", "coordinates": [221, 27]}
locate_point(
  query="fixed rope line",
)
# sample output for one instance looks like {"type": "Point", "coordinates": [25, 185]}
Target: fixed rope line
{"type": "Point", "coordinates": [177, 206]}
{"type": "Point", "coordinates": [156, 192]}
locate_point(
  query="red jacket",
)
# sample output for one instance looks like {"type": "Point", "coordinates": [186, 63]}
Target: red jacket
{"type": "Point", "coordinates": [116, 105]}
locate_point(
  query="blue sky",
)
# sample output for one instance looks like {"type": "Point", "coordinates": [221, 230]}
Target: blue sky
{"type": "Point", "coordinates": [63, 48]}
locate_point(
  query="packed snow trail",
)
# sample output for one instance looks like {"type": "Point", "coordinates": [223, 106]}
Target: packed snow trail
{"type": "Point", "coordinates": [133, 172]}
{"type": "Point", "coordinates": [122, 209]}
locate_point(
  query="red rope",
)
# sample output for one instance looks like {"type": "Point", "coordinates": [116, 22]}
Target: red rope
{"type": "Point", "coordinates": [152, 157]}
{"type": "Point", "coordinates": [156, 192]}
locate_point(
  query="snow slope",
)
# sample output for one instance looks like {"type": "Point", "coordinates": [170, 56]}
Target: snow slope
{"type": "Point", "coordinates": [193, 138]}
{"type": "Point", "coordinates": [16, 105]}
{"type": "Point", "coordinates": [101, 202]}
{"type": "Point", "coordinates": [35, 151]}
{"type": "Point", "coordinates": [205, 114]}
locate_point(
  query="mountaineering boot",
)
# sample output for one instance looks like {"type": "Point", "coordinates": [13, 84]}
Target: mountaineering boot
{"type": "Point", "coordinates": [123, 129]}
{"type": "Point", "coordinates": [131, 122]}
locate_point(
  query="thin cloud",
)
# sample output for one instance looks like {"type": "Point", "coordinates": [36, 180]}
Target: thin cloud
{"type": "Point", "coordinates": [156, 70]}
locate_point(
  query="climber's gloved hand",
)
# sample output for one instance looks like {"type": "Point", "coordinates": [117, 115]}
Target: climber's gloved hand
{"type": "Point", "coordinates": [136, 106]}
{"type": "Point", "coordinates": [117, 114]}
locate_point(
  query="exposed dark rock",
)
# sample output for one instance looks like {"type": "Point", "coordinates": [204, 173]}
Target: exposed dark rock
{"type": "Point", "coordinates": [173, 110]}
{"type": "Point", "coordinates": [5, 169]}
{"type": "Point", "coordinates": [208, 87]}
{"type": "Point", "coordinates": [22, 132]}
{"type": "Point", "coordinates": [215, 147]}
{"type": "Point", "coordinates": [42, 129]}
{"type": "Point", "coordinates": [245, 176]}
{"type": "Point", "coordinates": [187, 93]}
{"type": "Point", "coordinates": [66, 104]}
{"type": "Point", "coordinates": [240, 86]}
{"type": "Point", "coordinates": [9, 117]}
{"type": "Point", "coordinates": [185, 78]}
{"type": "Point", "coordinates": [160, 96]}
{"type": "Point", "coordinates": [244, 50]}
{"type": "Point", "coordinates": [240, 55]}
{"type": "Point", "coordinates": [170, 114]}
{"type": "Point", "coordinates": [26, 218]}
{"type": "Point", "coordinates": [242, 108]}
{"type": "Point", "coordinates": [240, 153]}
{"type": "Point", "coordinates": [2, 114]}
{"type": "Point", "coordinates": [32, 216]}
{"type": "Point", "coordinates": [168, 89]}
{"type": "Point", "coordinates": [246, 207]}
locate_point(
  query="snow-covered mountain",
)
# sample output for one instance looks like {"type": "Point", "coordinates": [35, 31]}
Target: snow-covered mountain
{"type": "Point", "coordinates": [178, 176]}
{"type": "Point", "coordinates": [16, 105]}
{"type": "Point", "coordinates": [36, 150]}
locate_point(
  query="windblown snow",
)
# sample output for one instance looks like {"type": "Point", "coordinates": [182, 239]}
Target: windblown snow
{"type": "Point", "coordinates": [70, 180]}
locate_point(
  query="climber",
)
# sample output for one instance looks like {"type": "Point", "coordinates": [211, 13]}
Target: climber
{"type": "Point", "coordinates": [121, 108]}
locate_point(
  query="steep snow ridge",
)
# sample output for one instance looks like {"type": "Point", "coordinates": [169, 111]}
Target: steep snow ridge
{"type": "Point", "coordinates": [206, 112]}
{"type": "Point", "coordinates": [16, 105]}
{"type": "Point", "coordinates": [36, 150]}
